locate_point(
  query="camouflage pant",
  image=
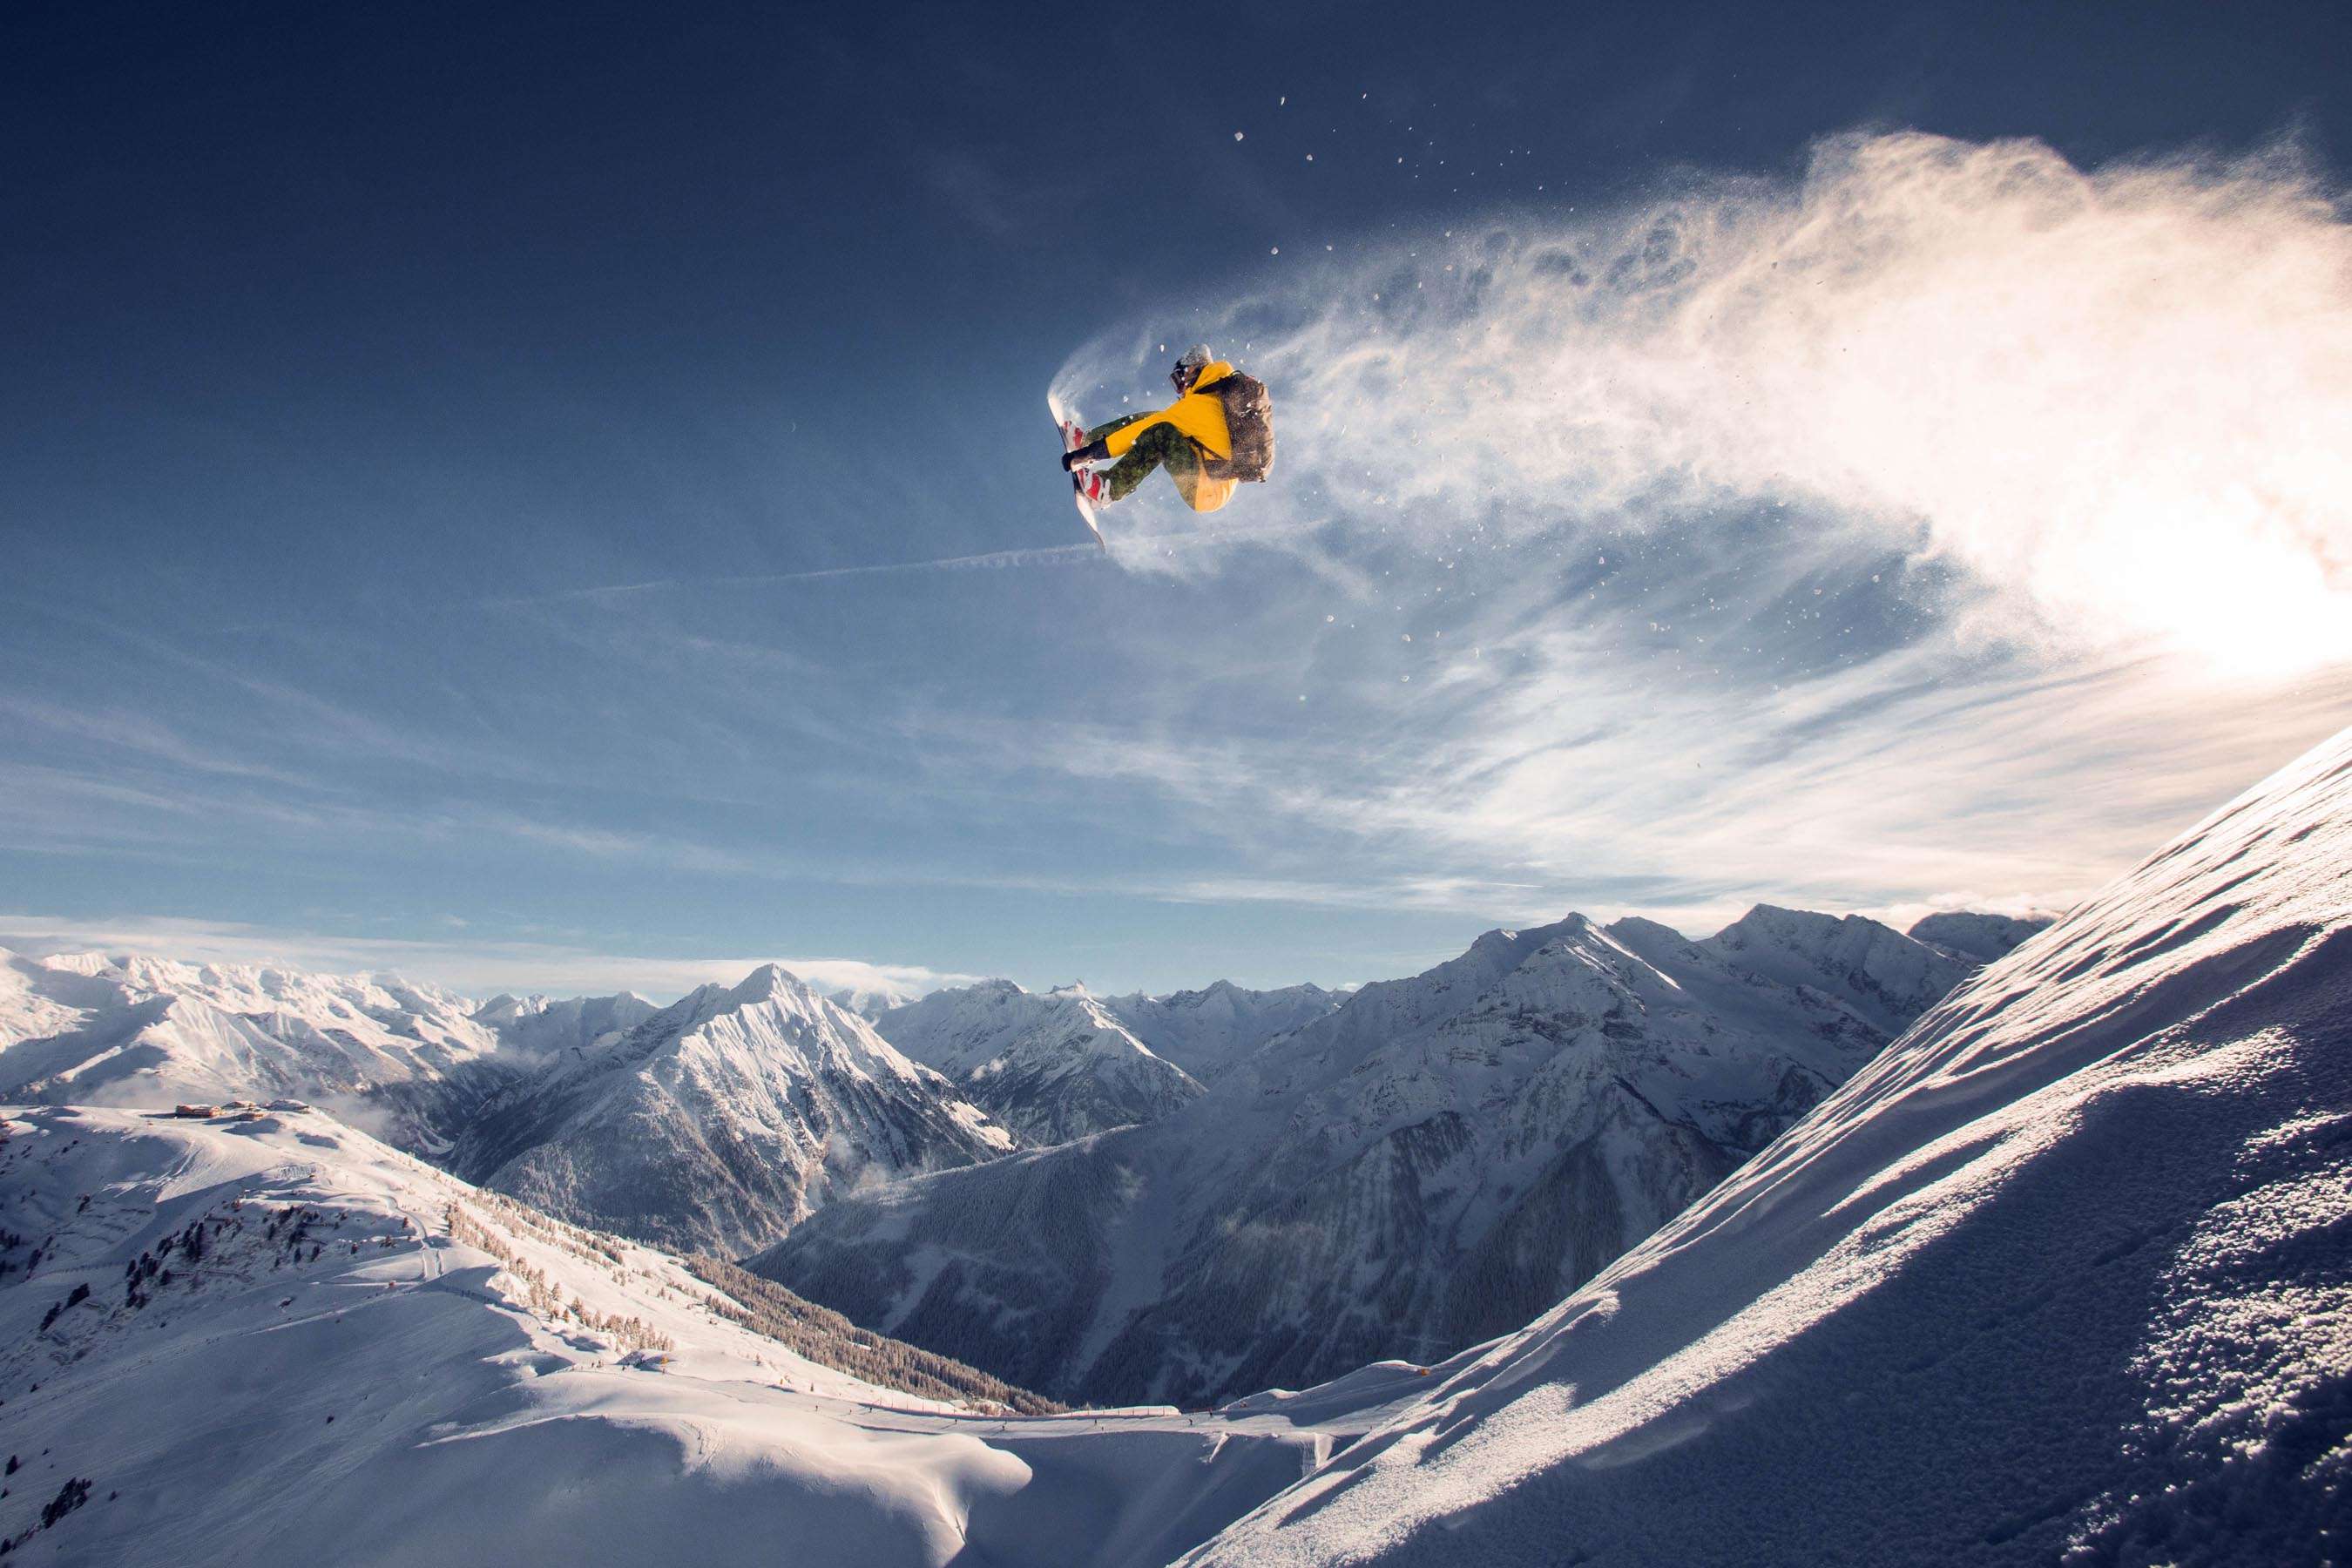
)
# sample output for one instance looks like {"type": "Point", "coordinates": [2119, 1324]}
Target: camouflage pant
{"type": "Point", "coordinates": [1161, 446]}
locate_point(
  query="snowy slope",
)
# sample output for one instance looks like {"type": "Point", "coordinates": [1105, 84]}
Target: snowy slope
{"type": "Point", "coordinates": [1207, 1031]}
{"type": "Point", "coordinates": [720, 1120]}
{"type": "Point", "coordinates": [1434, 1161]}
{"type": "Point", "coordinates": [1050, 1068]}
{"type": "Point", "coordinates": [363, 1360]}
{"type": "Point", "coordinates": [2062, 1276]}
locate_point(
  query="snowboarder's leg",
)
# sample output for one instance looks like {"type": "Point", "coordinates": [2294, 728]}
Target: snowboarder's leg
{"type": "Point", "coordinates": [1162, 444]}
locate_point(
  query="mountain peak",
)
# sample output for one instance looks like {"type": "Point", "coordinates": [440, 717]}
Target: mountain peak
{"type": "Point", "coordinates": [765, 982]}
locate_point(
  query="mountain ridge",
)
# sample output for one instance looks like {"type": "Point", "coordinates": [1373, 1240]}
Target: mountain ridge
{"type": "Point", "coordinates": [1395, 1178]}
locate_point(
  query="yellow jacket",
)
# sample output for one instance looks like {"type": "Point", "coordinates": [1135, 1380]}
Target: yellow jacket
{"type": "Point", "coordinates": [1195, 414]}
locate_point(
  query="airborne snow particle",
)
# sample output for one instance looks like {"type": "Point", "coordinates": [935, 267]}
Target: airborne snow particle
{"type": "Point", "coordinates": [1237, 135]}
{"type": "Point", "coordinates": [1275, 251]}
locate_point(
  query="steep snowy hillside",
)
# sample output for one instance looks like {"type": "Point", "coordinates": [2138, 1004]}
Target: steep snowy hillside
{"type": "Point", "coordinates": [147, 1032]}
{"type": "Point", "coordinates": [278, 1341]}
{"type": "Point", "coordinates": [720, 1120]}
{"type": "Point", "coordinates": [1051, 1067]}
{"type": "Point", "coordinates": [1205, 1032]}
{"type": "Point", "coordinates": [1436, 1161]}
{"type": "Point", "coordinates": [2064, 1276]}
{"type": "Point", "coordinates": [1974, 937]}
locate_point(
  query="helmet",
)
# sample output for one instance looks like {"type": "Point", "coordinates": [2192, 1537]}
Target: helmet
{"type": "Point", "coordinates": [1194, 360]}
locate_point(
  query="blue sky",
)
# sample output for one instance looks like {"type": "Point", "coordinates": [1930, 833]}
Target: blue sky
{"type": "Point", "coordinates": [562, 498]}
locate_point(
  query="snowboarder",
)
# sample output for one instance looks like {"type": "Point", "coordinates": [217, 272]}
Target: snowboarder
{"type": "Point", "coordinates": [1217, 434]}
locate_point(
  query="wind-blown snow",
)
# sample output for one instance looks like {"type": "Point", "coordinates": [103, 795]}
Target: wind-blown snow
{"type": "Point", "coordinates": [2061, 1275]}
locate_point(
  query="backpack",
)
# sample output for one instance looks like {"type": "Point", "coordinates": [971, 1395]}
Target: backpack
{"type": "Point", "coordinates": [1249, 421]}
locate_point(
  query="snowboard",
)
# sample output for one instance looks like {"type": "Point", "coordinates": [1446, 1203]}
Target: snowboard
{"type": "Point", "coordinates": [1074, 435]}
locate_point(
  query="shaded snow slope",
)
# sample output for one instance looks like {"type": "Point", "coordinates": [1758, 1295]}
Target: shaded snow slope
{"type": "Point", "coordinates": [1050, 1068]}
{"type": "Point", "coordinates": [289, 1344]}
{"type": "Point", "coordinates": [2063, 1274]}
{"type": "Point", "coordinates": [720, 1121]}
{"type": "Point", "coordinates": [1433, 1162]}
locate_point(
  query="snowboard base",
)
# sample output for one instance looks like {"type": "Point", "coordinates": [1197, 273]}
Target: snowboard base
{"type": "Point", "coordinates": [1074, 435]}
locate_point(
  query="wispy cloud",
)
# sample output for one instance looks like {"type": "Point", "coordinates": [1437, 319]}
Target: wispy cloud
{"type": "Point", "coordinates": [989, 560]}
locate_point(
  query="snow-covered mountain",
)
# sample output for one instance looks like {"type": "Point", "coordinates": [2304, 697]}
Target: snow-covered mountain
{"type": "Point", "coordinates": [97, 1030]}
{"type": "Point", "coordinates": [714, 1123]}
{"type": "Point", "coordinates": [1205, 1032]}
{"type": "Point", "coordinates": [717, 1122]}
{"type": "Point", "coordinates": [2062, 1276]}
{"type": "Point", "coordinates": [1051, 1067]}
{"type": "Point", "coordinates": [543, 1025]}
{"type": "Point", "coordinates": [1975, 938]}
{"type": "Point", "coordinates": [276, 1341]}
{"type": "Point", "coordinates": [1435, 1161]}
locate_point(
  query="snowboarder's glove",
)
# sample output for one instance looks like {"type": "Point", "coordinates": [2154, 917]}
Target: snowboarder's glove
{"type": "Point", "coordinates": [1070, 459]}
{"type": "Point", "coordinates": [1094, 452]}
